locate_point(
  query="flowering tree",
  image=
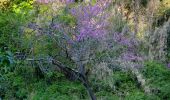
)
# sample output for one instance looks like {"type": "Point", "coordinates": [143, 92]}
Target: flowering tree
{"type": "Point", "coordinates": [89, 36]}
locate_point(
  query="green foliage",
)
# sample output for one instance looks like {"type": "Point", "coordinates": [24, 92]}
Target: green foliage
{"type": "Point", "coordinates": [6, 62]}
{"type": "Point", "coordinates": [159, 80]}
{"type": "Point", "coordinates": [129, 6]}
{"type": "Point", "coordinates": [54, 85]}
{"type": "Point", "coordinates": [118, 22]}
{"type": "Point", "coordinates": [125, 84]}
{"type": "Point", "coordinates": [11, 23]}
{"type": "Point", "coordinates": [162, 16]}
{"type": "Point", "coordinates": [9, 29]}
{"type": "Point", "coordinates": [61, 90]}
{"type": "Point", "coordinates": [104, 95]}
{"type": "Point", "coordinates": [11, 85]}
{"type": "Point", "coordinates": [155, 70]}
{"type": "Point", "coordinates": [144, 2]}
{"type": "Point", "coordinates": [16, 85]}
{"type": "Point", "coordinates": [23, 8]}
{"type": "Point", "coordinates": [64, 17]}
{"type": "Point", "coordinates": [136, 95]}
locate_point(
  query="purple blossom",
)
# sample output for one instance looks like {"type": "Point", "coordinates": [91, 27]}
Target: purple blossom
{"type": "Point", "coordinates": [56, 26]}
{"type": "Point", "coordinates": [129, 56]}
{"type": "Point", "coordinates": [125, 41]}
{"type": "Point", "coordinates": [48, 1]}
{"type": "Point", "coordinates": [44, 1]}
{"type": "Point", "coordinates": [168, 65]}
{"type": "Point", "coordinates": [69, 1]}
{"type": "Point", "coordinates": [91, 21]}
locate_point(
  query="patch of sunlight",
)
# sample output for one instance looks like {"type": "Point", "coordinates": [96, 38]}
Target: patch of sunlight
{"type": "Point", "coordinates": [1, 1]}
{"type": "Point", "coordinates": [16, 9]}
{"type": "Point", "coordinates": [28, 33]}
{"type": "Point", "coordinates": [28, 30]}
{"type": "Point", "coordinates": [141, 27]}
{"type": "Point", "coordinates": [166, 3]}
{"type": "Point", "coordinates": [22, 8]}
{"type": "Point", "coordinates": [140, 35]}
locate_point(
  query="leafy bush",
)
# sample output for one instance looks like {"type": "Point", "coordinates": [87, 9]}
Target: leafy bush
{"type": "Point", "coordinates": [11, 23]}
{"type": "Point", "coordinates": [158, 79]}
{"type": "Point", "coordinates": [6, 62]}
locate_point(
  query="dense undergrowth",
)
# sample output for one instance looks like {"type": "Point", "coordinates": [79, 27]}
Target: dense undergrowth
{"type": "Point", "coordinates": [124, 65]}
{"type": "Point", "coordinates": [24, 83]}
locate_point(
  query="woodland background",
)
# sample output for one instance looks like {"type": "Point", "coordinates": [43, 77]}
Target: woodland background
{"type": "Point", "coordinates": [84, 49]}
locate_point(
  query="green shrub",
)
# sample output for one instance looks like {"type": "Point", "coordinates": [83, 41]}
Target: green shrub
{"type": "Point", "coordinates": [159, 81]}
{"type": "Point", "coordinates": [6, 62]}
